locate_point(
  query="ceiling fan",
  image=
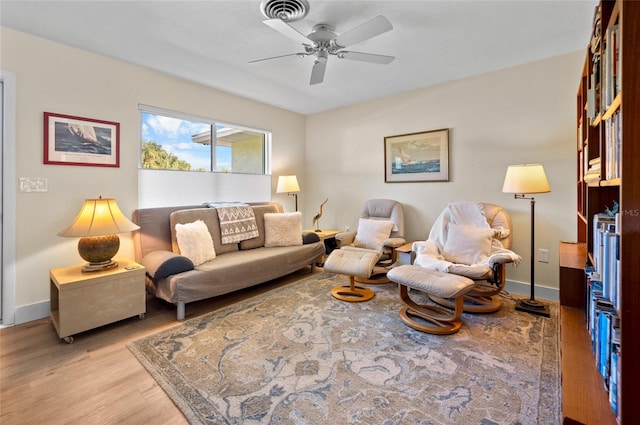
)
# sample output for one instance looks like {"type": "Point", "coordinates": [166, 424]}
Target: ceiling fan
{"type": "Point", "coordinates": [323, 42]}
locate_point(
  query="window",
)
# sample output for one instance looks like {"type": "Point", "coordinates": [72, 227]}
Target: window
{"type": "Point", "coordinates": [173, 141]}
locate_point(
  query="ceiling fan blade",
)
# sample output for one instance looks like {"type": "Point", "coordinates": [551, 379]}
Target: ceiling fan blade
{"type": "Point", "coordinates": [365, 57]}
{"type": "Point", "coordinates": [369, 29]}
{"type": "Point", "coordinates": [278, 57]}
{"type": "Point", "coordinates": [317, 72]}
{"type": "Point", "coordinates": [287, 30]}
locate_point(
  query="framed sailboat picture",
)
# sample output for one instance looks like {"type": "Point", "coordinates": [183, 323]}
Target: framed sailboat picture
{"type": "Point", "coordinates": [417, 157]}
{"type": "Point", "coordinates": [70, 140]}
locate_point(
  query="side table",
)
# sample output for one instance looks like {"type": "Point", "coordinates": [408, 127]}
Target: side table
{"type": "Point", "coordinates": [83, 301]}
{"type": "Point", "coordinates": [328, 237]}
{"type": "Point", "coordinates": [403, 254]}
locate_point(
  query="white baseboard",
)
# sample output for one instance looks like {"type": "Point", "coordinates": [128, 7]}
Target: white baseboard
{"type": "Point", "coordinates": [30, 312]}
{"type": "Point", "coordinates": [523, 288]}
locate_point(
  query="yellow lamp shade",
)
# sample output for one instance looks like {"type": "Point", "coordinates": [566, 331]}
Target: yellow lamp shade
{"type": "Point", "coordinates": [97, 224]}
{"type": "Point", "coordinates": [287, 184]}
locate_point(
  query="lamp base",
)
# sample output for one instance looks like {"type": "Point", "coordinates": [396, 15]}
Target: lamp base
{"type": "Point", "coordinates": [99, 267]}
{"type": "Point", "coordinates": [533, 307]}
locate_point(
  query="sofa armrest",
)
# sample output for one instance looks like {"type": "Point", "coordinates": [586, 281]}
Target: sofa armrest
{"type": "Point", "coordinates": [310, 237]}
{"type": "Point", "coordinates": [160, 264]}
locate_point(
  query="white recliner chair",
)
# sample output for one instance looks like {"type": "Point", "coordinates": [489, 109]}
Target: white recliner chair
{"type": "Point", "coordinates": [473, 240]}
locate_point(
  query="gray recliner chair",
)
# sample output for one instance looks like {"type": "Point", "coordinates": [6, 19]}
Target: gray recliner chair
{"type": "Point", "coordinates": [380, 229]}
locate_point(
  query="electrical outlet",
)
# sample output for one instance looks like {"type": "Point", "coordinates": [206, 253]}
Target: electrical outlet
{"type": "Point", "coordinates": [543, 255]}
{"type": "Point", "coordinates": [347, 228]}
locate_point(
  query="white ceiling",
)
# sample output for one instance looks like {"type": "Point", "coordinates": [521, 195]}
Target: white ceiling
{"type": "Point", "coordinates": [211, 42]}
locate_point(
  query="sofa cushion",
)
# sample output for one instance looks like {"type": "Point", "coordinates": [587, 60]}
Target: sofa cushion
{"type": "Point", "coordinates": [194, 241]}
{"type": "Point", "coordinates": [282, 229]}
{"type": "Point", "coordinates": [160, 264]}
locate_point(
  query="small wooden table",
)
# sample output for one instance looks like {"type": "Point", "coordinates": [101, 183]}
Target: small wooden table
{"type": "Point", "coordinates": [403, 253]}
{"type": "Point", "coordinates": [328, 237]}
{"type": "Point", "coordinates": [81, 301]}
{"type": "Point", "coordinates": [573, 260]}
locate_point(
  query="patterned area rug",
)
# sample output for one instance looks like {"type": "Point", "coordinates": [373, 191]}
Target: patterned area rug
{"type": "Point", "coordinates": [296, 355]}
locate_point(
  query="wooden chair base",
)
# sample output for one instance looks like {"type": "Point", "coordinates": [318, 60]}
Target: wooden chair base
{"type": "Point", "coordinates": [472, 304]}
{"type": "Point", "coordinates": [378, 277]}
{"type": "Point", "coordinates": [352, 293]}
{"type": "Point", "coordinates": [435, 320]}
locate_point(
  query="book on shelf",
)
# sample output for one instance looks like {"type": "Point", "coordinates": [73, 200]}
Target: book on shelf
{"type": "Point", "coordinates": [614, 376]}
{"type": "Point", "coordinates": [596, 34]}
{"type": "Point", "coordinates": [593, 89]}
{"type": "Point", "coordinates": [612, 145]}
{"type": "Point", "coordinates": [592, 172]}
{"type": "Point", "coordinates": [600, 223]}
{"type": "Point", "coordinates": [610, 67]}
{"type": "Point", "coordinates": [603, 325]}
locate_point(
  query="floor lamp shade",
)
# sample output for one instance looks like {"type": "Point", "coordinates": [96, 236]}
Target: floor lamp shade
{"type": "Point", "coordinates": [524, 180]}
{"type": "Point", "coordinates": [289, 184]}
{"type": "Point", "coordinates": [97, 225]}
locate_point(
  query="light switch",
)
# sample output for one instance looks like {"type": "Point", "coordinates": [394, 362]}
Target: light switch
{"type": "Point", "coordinates": [31, 184]}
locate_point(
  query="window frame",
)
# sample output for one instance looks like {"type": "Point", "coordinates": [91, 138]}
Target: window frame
{"type": "Point", "coordinates": [266, 156]}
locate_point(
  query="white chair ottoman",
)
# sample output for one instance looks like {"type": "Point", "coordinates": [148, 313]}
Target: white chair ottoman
{"type": "Point", "coordinates": [436, 320]}
{"type": "Point", "coordinates": [357, 263]}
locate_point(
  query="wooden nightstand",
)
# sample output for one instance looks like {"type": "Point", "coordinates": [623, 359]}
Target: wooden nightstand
{"type": "Point", "coordinates": [82, 301]}
{"type": "Point", "coordinates": [328, 237]}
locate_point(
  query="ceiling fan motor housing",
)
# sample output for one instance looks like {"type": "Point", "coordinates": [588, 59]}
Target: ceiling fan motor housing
{"type": "Point", "coordinates": [285, 10]}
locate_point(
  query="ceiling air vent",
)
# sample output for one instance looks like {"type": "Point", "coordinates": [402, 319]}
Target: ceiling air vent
{"type": "Point", "coordinates": [285, 10]}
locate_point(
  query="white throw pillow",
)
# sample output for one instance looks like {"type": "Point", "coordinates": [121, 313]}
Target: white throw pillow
{"type": "Point", "coordinates": [372, 233]}
{"type": "Point", "coordinates": [467, 244]}
{"type": "Point", "coordinates": [282, 229]}
{"type": "Point", "coordinates": [195, 243]}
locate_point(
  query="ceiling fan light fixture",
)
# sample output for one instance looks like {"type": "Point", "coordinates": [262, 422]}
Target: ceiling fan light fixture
{"type": "Point", "coordinates": [285, 10]}
{"type": "Point", "coordinates": [322, 56]}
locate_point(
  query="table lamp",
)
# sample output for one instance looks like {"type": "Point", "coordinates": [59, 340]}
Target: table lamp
{"type": "Point", "coordinates": [289, 185]}
{"type": "Point", "coordinates": [523, 180]}
{"type": "Point", "coordinates": [97, 224]}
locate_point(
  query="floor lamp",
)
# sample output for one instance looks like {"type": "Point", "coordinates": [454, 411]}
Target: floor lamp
{"type": "Point", "coordinates": [289, 185]}
{"type": "Point", "coordinates": [521, 180]}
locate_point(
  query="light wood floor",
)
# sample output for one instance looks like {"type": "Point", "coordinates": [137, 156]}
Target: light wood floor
{"type": "Point", "coordinates": [96, 379]}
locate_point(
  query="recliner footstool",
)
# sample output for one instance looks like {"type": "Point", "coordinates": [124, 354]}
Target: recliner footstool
{"type": "Point", "coordinates": [436, 320]}
{"type": "Point", "coordinates": [357, 263]}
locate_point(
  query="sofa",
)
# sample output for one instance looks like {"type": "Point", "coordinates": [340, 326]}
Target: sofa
{"type": "Point", "coordinates": [178, 279]}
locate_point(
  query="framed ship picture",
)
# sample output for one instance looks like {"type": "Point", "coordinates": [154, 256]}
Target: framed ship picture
{"type": "Point", "coordinates": [70, 140]}
{"type": "Point", "coordinates": [417, 157]}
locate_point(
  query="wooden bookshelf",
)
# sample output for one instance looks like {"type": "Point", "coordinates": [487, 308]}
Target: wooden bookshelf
{"type": "Point", "coordinates": [585, 399]}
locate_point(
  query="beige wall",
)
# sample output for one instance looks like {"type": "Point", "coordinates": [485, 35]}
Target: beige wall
{"type": "Point", "coordinates": [56, 78]}
{"type": "Point", "coordinates": [516, 115]}
{"type": "Point", "coordinates": [512, 116]}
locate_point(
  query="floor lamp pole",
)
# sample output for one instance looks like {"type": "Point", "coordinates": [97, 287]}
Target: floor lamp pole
{"type": "Point", "coordinates": [532, 305]}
